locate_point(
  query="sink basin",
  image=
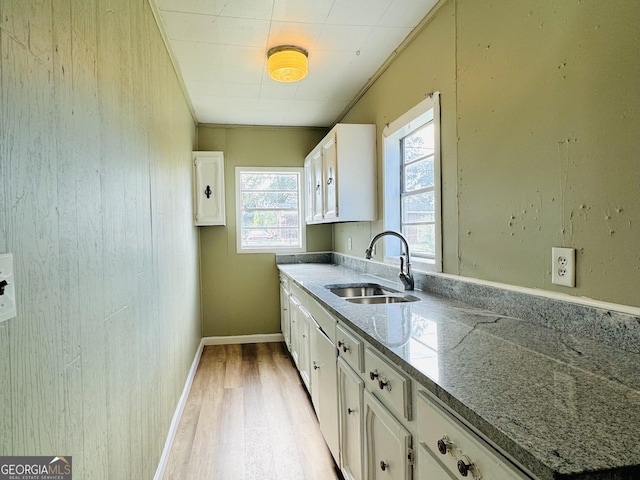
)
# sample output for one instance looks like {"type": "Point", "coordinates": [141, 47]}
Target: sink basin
{"type": "Point", "coordinates": [383, 299]}
{"type": "Point", "coordinates": [360, 290]}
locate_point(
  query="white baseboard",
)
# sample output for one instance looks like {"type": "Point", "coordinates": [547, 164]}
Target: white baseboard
{"type": "Point", "coordinates": [177, 415]}
{"type": "Point", "coordinates": [234, 339]}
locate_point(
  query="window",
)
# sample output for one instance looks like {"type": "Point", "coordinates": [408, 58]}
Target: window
{"type": "Point", "coordinates": [269, 210]}
{"type": "Point", "coordinates": [411, 158]}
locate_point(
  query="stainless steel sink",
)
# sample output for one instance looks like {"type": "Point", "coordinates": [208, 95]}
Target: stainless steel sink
{"type": "Point", "coordinates": [360, 290]}
{"type": "Point", "coordinates": [383, 299]}
{"type": "Point", "coordinates": [369, 293]}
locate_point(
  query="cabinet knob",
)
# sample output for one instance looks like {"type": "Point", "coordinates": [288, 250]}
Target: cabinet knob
{"type": "Point", "coordinates": [350, 411]}
{"type": "Point", "coordinates": [444, 445]}
{"type": "Point", "coordinates": [383, 465]}
{"type": "Point", "coordinates": [463, 467]}
{"type": "Point", "coordinates": [208, 192]}
{"type": "Point", "coordinates": [384, 384]}
{"type": "Point", "coordinates": [373, 374]}
{"type": "Point", "coordinates": [315, 365]}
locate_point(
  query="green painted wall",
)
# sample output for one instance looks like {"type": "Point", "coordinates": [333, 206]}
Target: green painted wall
{"type": "Point", "coordinates": [540, 139]}
{"type": "Point", "coordinates": [95, 205]}
{"type": "Point", "coordinates": [240, 291]}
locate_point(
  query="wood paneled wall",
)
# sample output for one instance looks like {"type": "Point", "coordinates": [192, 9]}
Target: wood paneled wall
{"type": "Point", "coordinates": [95, 205]}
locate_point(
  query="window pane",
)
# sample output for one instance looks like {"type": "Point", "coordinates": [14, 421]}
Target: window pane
{"type": "Point", "coordinates": [268, 213]}
{"type": "Point", "coordinates": [270, 200]}
{"type": "Point", "coordinates": [270, 237]}
{"type": "Point", "coordinates": [418, 208]}
{"type": "Point", "coordinates": [422, 239]}
{"type": "Point", "coordinates": [419, 144]}
{"type": "Point", "coordinates": [269, 181]}
{"type": "Point", "coordinates": [269, 218]}
{"type": "Point", "coordinates": [419, 175]}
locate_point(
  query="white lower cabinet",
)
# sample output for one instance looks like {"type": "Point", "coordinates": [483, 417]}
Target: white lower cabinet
{"type": "Point", "coordinates": [285, 318]}
{"type": "Point", "coordinates": [304, 359]}
{"type": "Point", "coordinates": [294, 317]}
{"type": "Point", "coordinates": [351, 395]}
{"type": "Point", "coordinates": [388, 453]}
{"type": "Point", "coordinates": [365, 406]}
{"type": "Point", "coordinates": [324, 387]}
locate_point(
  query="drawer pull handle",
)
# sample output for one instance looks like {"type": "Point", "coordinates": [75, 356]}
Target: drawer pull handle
{"type": "Point", "coordinates": [383, 465]}
{"type": "Point", "coordinates": [463, 467]}
{"type": "Point", "coordinates": [384, 384]}
{"type": "Point", "coordinates": [373, 375]}
{"type": "Point", "coordinates": [444, 445]}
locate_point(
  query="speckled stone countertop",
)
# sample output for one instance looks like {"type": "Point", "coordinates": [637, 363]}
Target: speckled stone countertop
{"type": "Point", "coordinates": [561, 405]}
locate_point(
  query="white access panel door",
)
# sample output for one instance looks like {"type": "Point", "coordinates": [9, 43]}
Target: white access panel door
{"type": "Point", "coordinates": [324, 387]}
{"type": "Point", "coordinates": [208, 174]}
{"type": "Point", "coordinates": [388, 443]}
{"type": "Point", "coordinates": [351, 393]}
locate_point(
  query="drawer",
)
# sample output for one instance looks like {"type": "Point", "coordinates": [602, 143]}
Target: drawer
{"type": "Point", "coordinates": [391, 386]}
{"type": "Point", "coordinates": [349, 347]}
{"type": "Point", "coordinates": [439, 431]}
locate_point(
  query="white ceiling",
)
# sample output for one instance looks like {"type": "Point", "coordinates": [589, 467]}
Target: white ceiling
{"type": "Point", "coordinates": [220, 48]}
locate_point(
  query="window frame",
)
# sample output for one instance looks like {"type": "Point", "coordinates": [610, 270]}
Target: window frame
{"type": "Point", "coordinates": [299, 171]}
{"type": "Point", "coordinates": [392, 135]}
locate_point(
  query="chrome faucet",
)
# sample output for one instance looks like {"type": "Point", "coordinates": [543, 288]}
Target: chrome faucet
{"type": "Point", "coordinates": [405, 274]}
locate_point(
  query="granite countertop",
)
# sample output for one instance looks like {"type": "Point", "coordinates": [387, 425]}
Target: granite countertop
{"type": "Point", "coordinates": [562, 406]}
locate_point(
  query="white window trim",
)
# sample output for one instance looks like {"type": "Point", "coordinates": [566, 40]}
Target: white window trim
{"type": "Point", "coordinates": [391, 136]}
{"type": "Point", "coordinates": [301, 211]}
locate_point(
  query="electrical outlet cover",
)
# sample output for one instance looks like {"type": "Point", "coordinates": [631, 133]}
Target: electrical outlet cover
{"type": "Point", "coordinates": [8, 300]}
{"type": "Point", "coordinates": [563, 266]}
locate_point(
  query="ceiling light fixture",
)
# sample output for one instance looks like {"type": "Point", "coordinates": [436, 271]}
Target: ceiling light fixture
{"type": "Point", "coordinates": [288, 63]}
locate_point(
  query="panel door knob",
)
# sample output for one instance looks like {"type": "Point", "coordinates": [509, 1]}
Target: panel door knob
{"type": "Point", "coordinates": [464, 467]}
{"type": "Point", "coordinates": [443, 445]}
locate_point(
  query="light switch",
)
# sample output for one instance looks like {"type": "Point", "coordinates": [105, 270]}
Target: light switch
{"type": "Point", "coordinates": [7, 288]}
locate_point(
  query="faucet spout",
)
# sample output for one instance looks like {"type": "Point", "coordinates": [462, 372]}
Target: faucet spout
{"type": "Point", "coordinates": [405, 262]}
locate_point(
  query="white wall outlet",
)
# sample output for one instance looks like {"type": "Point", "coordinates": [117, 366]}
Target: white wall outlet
{"type": "Point", "coordinates": [563, 266]}
{"type": "Point", "coordinates": [7, 288]}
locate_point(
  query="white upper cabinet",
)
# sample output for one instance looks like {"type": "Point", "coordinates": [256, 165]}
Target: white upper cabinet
{"type": "Point", "coordinates": [208, 181]}
{"type": "Point", "coordinates": [341, 170]}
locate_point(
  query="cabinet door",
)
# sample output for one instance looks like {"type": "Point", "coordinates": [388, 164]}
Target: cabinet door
{"type": "Point", "coordinates": [304, 364]}
{"type": "Point", "coordinates": [285, 319]}
{"type": "Point", "coordinates": [318, 199]}
{"type": "Point", "coordinates": [330, 179]}
{"type": "Point", "coordinates": [294, 316]}
{"type": "Point", "coordinates": [388, 443]}
{"type": "Point", "coordinates": [208, 179]}
{"type": "Point", "coordinates": [310, 192]}
{"type": "Point", "coordinates": [324, 387]}
{"type": "Point", "coordinates": [350, 394]}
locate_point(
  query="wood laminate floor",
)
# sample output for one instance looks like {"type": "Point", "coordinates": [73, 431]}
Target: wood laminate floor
{"type": "Point", "coordinates": [248, 417]}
